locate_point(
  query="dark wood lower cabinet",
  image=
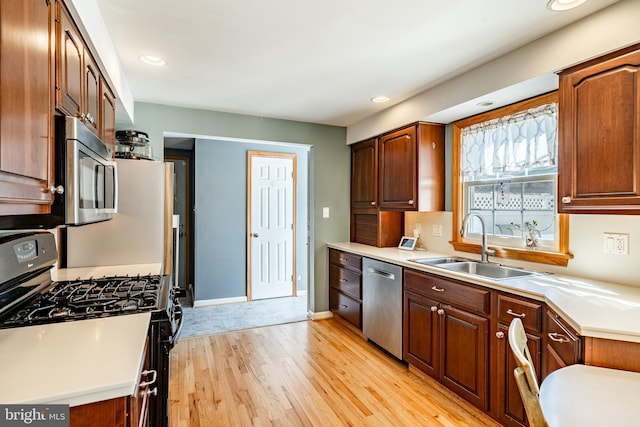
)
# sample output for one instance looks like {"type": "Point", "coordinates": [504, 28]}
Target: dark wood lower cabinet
{"type": "Point", "coordinates": [345, 286]}
{"type": "Point", "coordinates": [447, 342]}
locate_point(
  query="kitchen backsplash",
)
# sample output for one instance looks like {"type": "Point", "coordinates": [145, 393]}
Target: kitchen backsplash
{"type": "Point", "coordinates": [586, 243]}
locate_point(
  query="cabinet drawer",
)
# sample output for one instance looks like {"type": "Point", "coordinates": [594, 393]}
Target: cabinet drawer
{"type": "Point", "coordinates": [346, 307]}
{"type": "Point", "coordinates": [529, 312]}
{"type": "Point", "coordinates": [562, 339]}
{"type": "Point", "coordinates": [347, 281]}
{"type": "Point", "coordinates": [345, 259]}
{"type": "Point", "coordinates": [460, 294]}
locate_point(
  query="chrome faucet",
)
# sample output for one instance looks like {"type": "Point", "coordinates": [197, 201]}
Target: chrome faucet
{"type": "Point", "coordinates": [484, 254]}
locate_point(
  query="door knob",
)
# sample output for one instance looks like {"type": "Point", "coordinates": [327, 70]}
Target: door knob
{"type": "Point", "coordinates": [255, 234]}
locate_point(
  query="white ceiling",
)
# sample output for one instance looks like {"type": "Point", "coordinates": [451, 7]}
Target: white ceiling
{"type": "Point", "coordinates": [315, 61]}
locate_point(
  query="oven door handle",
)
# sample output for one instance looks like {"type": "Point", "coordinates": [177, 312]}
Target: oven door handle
{"type": "Point", "coordinates": [178, 315]}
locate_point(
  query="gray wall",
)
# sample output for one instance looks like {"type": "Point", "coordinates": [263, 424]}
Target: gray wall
{"type": "Point", "coordinates": [221, 207]}
{"type": "Point", "coordinates": [329, 168]}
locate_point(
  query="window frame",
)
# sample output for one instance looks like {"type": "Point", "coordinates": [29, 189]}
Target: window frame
{"type": "Point", "coordinates": [560, 257]}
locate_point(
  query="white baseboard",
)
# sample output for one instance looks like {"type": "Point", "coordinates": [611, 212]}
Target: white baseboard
{"type": "Point", "coordinates": [219, 301]}
{"type": "Point", "coordinates": [319, 315]}
{"type": "Point", "coordinates": [301, 292]}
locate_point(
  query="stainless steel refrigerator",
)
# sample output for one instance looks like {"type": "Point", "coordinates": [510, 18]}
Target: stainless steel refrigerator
{"type": "Point", "coordinates": [141, 231]}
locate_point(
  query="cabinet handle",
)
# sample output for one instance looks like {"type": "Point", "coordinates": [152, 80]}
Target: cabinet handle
{"type": "Point", "coordinates": [58, 189]}
{"type": "Point", "coordinates": [566, 199]}
{"type": "Point", "coordinates": [343, 259]}
{"type": "Point", "coordinates": [500, 334]}
{"type": "Point", "coordinates": [437, 289]}
{"type": "Point", "coordinates": [434, 308]}
{"type": "Point", "coordinates": [514, 314]}
{"type": "Point", "coordinates": [373, 203]}
{"type": "Point", "coordinates": [343, 280]}
{"type": "Point", "coordinates": [410, 202]}
{"type": "Point", "coordinates": [441, 312]}
{"type": "Point", "coordinates": [344, 306]}
{"type": "Point", "coordinates": [553, 336]}
{"type": "Point", "coordinates": [255, 235]}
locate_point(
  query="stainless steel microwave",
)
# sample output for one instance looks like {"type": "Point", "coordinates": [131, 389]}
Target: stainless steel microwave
{"type": "Point", "coordinates": [90, 178]}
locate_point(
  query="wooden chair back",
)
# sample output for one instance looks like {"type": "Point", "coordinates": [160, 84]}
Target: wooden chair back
{"type": "Point", "coordinates": [525, 374]}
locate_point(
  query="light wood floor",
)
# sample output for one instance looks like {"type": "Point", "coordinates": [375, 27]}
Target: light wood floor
{"type": "Point", "coordinates": [314, 373]}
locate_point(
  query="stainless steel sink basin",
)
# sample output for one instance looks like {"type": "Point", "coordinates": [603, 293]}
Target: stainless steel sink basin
{"type": "Point", "coordinates": [493, 271]}
{"type": "Point", "coordinates": [438, 261]}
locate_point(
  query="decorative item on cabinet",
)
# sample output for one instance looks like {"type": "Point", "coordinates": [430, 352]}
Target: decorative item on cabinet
{"type": "Point", "coordinates": [599, 118]}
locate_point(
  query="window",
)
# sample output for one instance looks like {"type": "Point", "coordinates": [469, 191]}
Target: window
{"type": "Point", "coordinates": [506, 172]}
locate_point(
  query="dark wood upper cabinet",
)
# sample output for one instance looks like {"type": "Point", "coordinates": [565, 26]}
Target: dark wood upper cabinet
{"type": "Point", "coordinates": [26, 136]}
{"type": "Point", "coordinates": [599, 135]}
{"type": "Point", "coordinates": [411, 168]}
{"type": "Point", "coordinates": [364, 175]}
{"type": "Point", "coordinates": [92, 96]}
{"type": "Point", "coordinates": [107, 116]}
{"type": "Point", "coordinates": [69, 64]}
{"type": "Point", "coordinates": [81, 90]}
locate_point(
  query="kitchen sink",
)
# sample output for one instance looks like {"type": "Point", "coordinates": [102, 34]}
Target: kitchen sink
{"type": "Point", "coordinates": [438, 261]}
{"type": "Point", "coordinates": [493, 271]}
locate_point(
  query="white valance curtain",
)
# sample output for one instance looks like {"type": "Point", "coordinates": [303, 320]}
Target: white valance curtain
{"type": "Point", "coordinates": [518, 143]}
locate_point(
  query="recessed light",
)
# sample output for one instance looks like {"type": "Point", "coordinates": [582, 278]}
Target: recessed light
{"type": "Point", "coordinates": [485, 104]}
{"type": "Point", "coordinates": [379, 99]}
{"type": "Point", "coordinates": [560, 5]}
{"type": "Point", "coordinates": [153, 60]}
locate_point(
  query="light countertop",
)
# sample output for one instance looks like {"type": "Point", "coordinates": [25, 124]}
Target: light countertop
{"type": "Point", "coordinates": [593, 308]}
{"type": "Point", "coordinates": [73, 363]}
{"type": "Point", "coordinates": [102, 271]}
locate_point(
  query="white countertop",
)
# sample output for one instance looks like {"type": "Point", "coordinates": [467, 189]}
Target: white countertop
{"type": "Point", "coordinates": [593, 308]}
{"type": "Point", "coordinates": [73, 362]}
{"type": "Point", "coordinates": [111, 270]}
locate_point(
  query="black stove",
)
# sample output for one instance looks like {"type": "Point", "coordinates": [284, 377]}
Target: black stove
{"type": "Point", "coordinates": [90, 298]}
{"type": "Point", "coordinates": [29, 297]}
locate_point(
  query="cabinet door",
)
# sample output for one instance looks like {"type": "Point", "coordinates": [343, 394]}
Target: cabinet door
{"type": "Point", "coordinates": [364, 175]}
{"type": "Point", "coordinates": [92, 95]}
{"type": "Point", "coordinates": [26, 142]}
{"type": "Point", "coordinates": [509, 404]}
{"type": "Point", "coordinates": [107, 116]}
{"type": "Point", "coordinates": [599, 167]}
{"type": "Point", "coordinates": [69, 70]}
{"type": "Point", "coordinates": [464, 350]}
{"type": "Point", "coordinates": [562, 346]}
{"type": "Point", "coordinates": [398, 182]}
{"type": "Point", "coordinates": [420, 330]}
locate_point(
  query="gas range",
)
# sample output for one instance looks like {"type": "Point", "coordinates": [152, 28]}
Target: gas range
{"type": "Point", "coordinates": [29, 296]}
{"type": "Point", "coordinates": [90, 298]}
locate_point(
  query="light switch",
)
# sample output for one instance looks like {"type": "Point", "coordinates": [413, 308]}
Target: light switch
{"type": "Point", "coordinates": [325, 212]}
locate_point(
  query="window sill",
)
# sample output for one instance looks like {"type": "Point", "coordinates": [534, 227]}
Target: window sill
{"type": "Point", "coordinates": [539, 256]}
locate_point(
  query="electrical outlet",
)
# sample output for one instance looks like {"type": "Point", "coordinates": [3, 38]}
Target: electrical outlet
{"type": "Point", "coordinates": [436, 230]}
{"type": "Point", "coordinates": [616, 243]}
{"type": "Point", "coordinates": [325, 212]}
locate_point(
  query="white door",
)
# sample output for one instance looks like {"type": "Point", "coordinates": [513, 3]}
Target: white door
{"type": "Point", "coordinates": [271, 225]}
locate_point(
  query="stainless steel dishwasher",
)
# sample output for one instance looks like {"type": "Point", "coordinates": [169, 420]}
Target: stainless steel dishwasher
{"type": "Point", "coordinates": [382, 305]}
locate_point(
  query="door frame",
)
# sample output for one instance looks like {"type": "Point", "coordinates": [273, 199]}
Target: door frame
{"type": "Point", "coordinates": [172, 155]}
{"type": "Point", "coordinates": [294, 158]}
